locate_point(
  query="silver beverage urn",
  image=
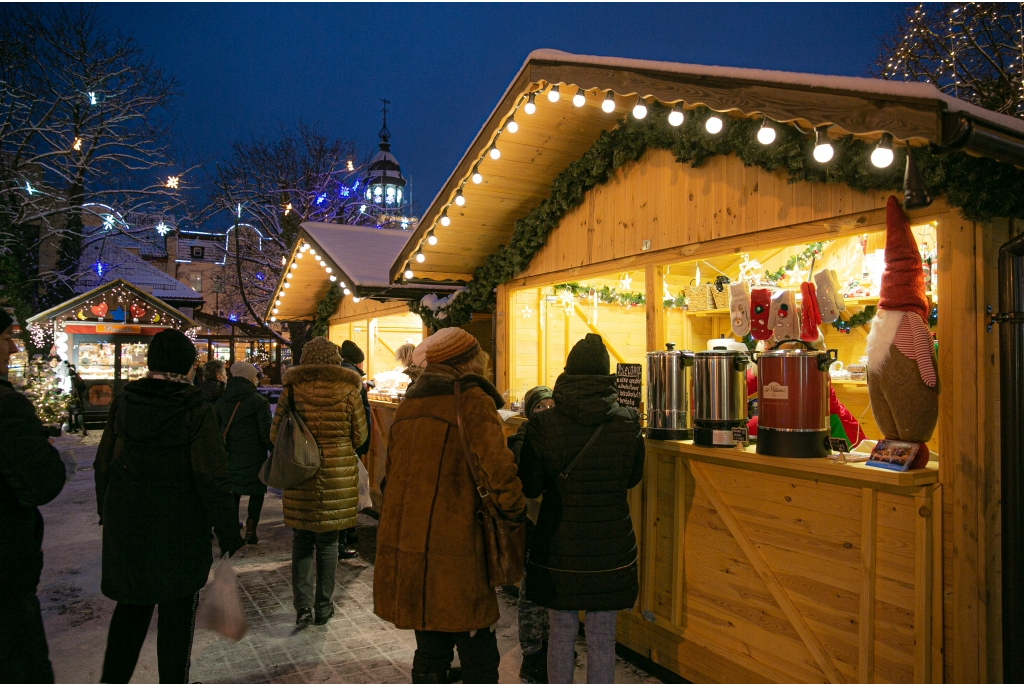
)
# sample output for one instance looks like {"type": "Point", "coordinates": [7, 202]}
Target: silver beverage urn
{"type": "Point", "coordinates": [669, 385]}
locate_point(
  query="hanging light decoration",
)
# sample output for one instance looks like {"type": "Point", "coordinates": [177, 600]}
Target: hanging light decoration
{"type": "Point", "coordinates": [553, 94]}
{"type": "Point", "coordinates": [766, 134]}
{"type": "Point", "coordinates": [530, 107]}
{"type": "Point", "coordinates": [477, 176]}
{"type": "Point", "coordinates": [823, 150]}
{"type": "Point", "coordinates": [511, 126]}
{"type": "Point", "coordinates": [579, 99]}
{"type": "Point", "coordinates": [347, 291]}
{"type": "Point", "coordinates": [675, 117]}
{"type": "Point", "coordinates": [609, 102]}
{"type": "Point", "coordinates": [713, 125]}
{"type": "Point", "coordinates": [328, 269]}
{"type": "Point", "coordinates": [333, 278]}
{"type": "Point", "coordinates": [640, 108]}
{"type": "Point", "coordinates": [460, 199]}
{"type": "Point", "coordinates": [882, 155]}
{"type": "Point", "coordinates": [408, 270]}
{"type": "Point", "coordinates": [494, 152]}
{"type": "Point", "coordinates": [445, 219]}
{"type": "Point", "coordinates": [431, 238]}
{"type": "Point", "coordinates": [420, 257]}
{"type": "Point", "coordinates": [915, 194]}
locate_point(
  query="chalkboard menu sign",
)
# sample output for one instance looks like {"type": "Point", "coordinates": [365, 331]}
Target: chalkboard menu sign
{"type": "Point", "coordinates": [627, 384]}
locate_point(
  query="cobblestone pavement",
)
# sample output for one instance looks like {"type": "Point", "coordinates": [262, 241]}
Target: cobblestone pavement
{"type": "Point", "coordinates": [355, 647]}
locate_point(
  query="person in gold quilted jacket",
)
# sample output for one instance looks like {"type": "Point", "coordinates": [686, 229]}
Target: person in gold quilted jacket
{"type": "Point", "coordinates": [326, 396]}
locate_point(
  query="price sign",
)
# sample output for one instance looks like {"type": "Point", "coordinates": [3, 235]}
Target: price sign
{"type": "Point", "coordinates": [628, 384]}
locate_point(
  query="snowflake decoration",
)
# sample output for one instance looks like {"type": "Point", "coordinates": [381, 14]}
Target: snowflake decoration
{"type": "Point", "coordinates": [93, 98]}
{"type": "Point", "coordinates": [108, 222]}
{"type": "Point", "coordinates": [162, 229]}
{"type": "Point", "coordinates": [172, 182]}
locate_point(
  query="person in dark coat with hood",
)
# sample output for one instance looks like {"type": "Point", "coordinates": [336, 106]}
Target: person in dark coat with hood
{"type": "Point", "coordinates": [583, 554]}
{"type": "Point", "coordinates": [245, 418]}
{"type": "Point", "coordinates": [352, 359]}
{"type": "Point", "coordinates": [161, 483]}
{"type": "Point", "coordinates": [31, 474]}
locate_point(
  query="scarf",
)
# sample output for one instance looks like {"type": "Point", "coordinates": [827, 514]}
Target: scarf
{"type": "Point", "coordinates": [168, 376]}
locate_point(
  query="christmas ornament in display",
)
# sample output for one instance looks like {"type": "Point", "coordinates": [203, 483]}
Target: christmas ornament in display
{"type": "Point", "coordinates": [100, 310]}
{"type": "Point", "coordinates": [137, 312]}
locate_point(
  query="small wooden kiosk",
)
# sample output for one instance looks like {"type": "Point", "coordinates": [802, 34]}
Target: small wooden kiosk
{"type": "Point", "coordinates": [752, 568]}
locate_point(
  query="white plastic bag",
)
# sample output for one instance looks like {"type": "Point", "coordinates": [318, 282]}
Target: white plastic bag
{"type": "Point", "coordinates": [221, 609]}
{"type": "Point", "coordinates": [364, 487]}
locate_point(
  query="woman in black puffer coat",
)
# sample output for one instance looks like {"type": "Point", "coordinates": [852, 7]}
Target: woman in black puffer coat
{"type": "Point", "coordinates": [247, 440]}
{"type": "Point", "coordinates": [584, 554]}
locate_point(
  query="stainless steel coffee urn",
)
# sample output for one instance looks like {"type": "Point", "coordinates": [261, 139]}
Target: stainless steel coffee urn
{"type": "Point", "coordinates": [669, 383]}
{"type": "Point", "coordinates": [720, 396]}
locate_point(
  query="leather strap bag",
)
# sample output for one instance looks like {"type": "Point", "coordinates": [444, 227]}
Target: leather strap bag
{"type": "Point", "coordinates": [296, 455]}
{"type": "Point", "coordinates": [564, 474]}
{"type": "Point", "coordinates": [504, 540]}
{"type": "Point", "coordinates": [228, 427]}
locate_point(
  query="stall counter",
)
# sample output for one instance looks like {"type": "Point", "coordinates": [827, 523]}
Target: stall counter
{"type": "Point", "coordinates": [756, 568]}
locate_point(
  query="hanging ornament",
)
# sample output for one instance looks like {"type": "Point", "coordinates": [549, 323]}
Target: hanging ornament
{"type": "Point", "coordinates": [80, 315]}
{"type": "Point", "coordinates": [100, 310]}
{"type": "Point", "coordinates": [527, 312]}
{"type": "Point", "coordinates": [117, 315]}
{"type": "Point", "coordinates": [156, 317]}
{"type": "Point", "coordinates": [568, 301]}
{"type": "Point", "coordinates": [625, 281]}
{"type": "Point", "coordinates": [137, 312]}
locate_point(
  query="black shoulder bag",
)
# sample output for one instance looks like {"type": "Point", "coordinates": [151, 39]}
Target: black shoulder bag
{"type": "Point", "coordinates": [564, 474]}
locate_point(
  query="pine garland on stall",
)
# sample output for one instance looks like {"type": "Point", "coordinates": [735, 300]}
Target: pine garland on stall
{"type": "Point", "coordinates": [325, 309]}
{"type": "Point", "coordinates": [981, 188]}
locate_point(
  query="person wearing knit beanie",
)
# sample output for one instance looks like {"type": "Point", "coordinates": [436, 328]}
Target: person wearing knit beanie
{"type": "Point", "coordinates": [244, 370]}
{"type": "Point", "coordinates": [452, 347]}
{"type": "Point", "coordinates": [903, 384]}
{"type": "Point", "coordinates": [351, 353]}
{"type": "Point", "coordinates": [320, 350]}
{"type": "Point", "coordinates": [588, 357]}
{"type": "Point", "coordinates": [534, 396]}
{"type": "Point", "coordinates": [171, 351]}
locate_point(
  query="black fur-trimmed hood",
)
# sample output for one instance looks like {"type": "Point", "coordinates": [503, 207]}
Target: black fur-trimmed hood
{"type": "Point", "coordinates": [438, 379]}
{"type": "Point", "coordinates": [307, 373]}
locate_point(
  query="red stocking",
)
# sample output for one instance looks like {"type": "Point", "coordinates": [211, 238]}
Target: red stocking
{"type": "Point", "coordinates": [760, 304]}
{"type": "Point", "coordinates": [811, 316]}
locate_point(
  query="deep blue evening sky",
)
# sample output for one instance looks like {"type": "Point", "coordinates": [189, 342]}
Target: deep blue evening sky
{"type": "Point", "coordinates": [244, 67]}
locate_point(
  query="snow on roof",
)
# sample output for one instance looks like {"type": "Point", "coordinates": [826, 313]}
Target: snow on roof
{"type": "Point", "coordinates": [103, 261]}
{"type": "Point", "coordinates": [873, 86]}
{"type": "Point", "coordinates": [365, 254]}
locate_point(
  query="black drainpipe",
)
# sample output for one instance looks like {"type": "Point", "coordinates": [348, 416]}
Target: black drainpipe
{"type": "Point", "coordinates": [1011, 397]}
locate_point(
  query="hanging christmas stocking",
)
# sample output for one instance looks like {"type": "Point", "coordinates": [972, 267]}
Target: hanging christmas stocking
{"type": "Point", "coordinates": [810, 317]}
{"type": "Point", "coordinates": [739, 308]}
{"type": "Point", "coordinates": [783, 320]}
{"type": "Point", "coordinates": [830, 300]}
{"type": "Point", "coordinates": [760, 303]}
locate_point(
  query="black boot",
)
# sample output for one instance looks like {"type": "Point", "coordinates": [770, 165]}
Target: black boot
{"type": "Point", "coordinates": [441, 677]}
{"type": "Point", "coordinates": [303, 618]}
{"type": "Point", "coordinates": [535, 667]}
{"type": "Point", "coordinates": [250, 532]}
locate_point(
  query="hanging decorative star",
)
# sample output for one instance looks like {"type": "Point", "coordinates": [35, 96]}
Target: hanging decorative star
{"type": "Point", "coordinates": [163, 229]}
{"type": "Point", "coordinates": [287, 208]}
{"type": "Point", "coordinates": [568, 301]}
{"type": "Point", "coordinates": [108, 222]}
{"type": "Point", "coordinates": [625, 281]}
{"type": "Point", "coordinates": [93, 99]}
{"type": "Point", "coordinates": [172, 182]}
{"type": "Point", "coordinates": [77, 145]}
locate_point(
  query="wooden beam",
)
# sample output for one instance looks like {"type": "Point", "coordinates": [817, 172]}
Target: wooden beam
{"type": "Point", "coordinates": [923, 560]}
{"type": "Point", "coordinates": [502, 344]}
{"type": "Point", "coordinates": [654, 280]}
{"type": "Point", "coordinates": [678, 542]}
{"type": "Point", "coordinates": [650, 535]}
{"type": "Point", "coordinates": [866, 657]}
{"type": "Point", "coordinates": [821, 657]}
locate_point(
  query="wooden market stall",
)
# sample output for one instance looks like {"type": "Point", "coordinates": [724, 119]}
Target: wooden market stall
{"type": "Point", "coordinates": [105, 333]}
{"type": "Point", "coordinates": [598, 215]}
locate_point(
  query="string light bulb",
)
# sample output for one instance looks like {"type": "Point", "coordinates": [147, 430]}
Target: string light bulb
{"type": "Point", "coordinates": [355, 299]}
{"type": "Point", "coordinates": [579, 99]}
{"type": "Point", "coordinates": [882, 155]}
{"type": "Point", "coordinates": [766, 134]}
{"type": "Point", "coordinates": [675, 117]}
{"type": "Point", "coordinates": [477, 176]}
{"type": "Point", "coordinates": [431, 238]}
{"type": "Point", "coordinates": [609, 103]}
{"type": "Point", "coordinates": [420, 257]}
{"type": "Point", "coordinates": [511, 126]}
{"type": "Point", "coordinates": [333, 279]}
{"type": "Point", "coordinates": [530, 107]}
{"type": "Point", "coordinates": [553, 94]}
{"type": "Point", "coordinates": [460, 199]}
{"type": "Point", "coordinates": [713, 125]}
{"type": "Point", "coordinates": [823, 151]}
{"type": "Point", "coordinates": [640, 108]}
{"type": "Point", "coordinates": [347, 291]}
{"type": "Point", "coordinates": [494, 152]}
{"type": "Point", "coordinates": [328, 269]}
{"type": "Point", "coordinates": [445, 220]}
{"type": "Point", "coordinates": [408, 271]}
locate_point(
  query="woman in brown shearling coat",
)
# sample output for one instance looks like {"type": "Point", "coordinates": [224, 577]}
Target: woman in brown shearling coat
{"type": "Point", "coordinates": [431, 570]}
{"type": "Point", "coordinates": [327, 398]}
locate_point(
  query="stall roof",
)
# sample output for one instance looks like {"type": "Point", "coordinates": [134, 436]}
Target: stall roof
{"type": "Point", "coordinates": [358, 256]}
{"type": "Point", "coordinates": [559, 133]}
{"type": "Point", "coordinates": [104, 260]}
{"type": "Point", "coordinates": [68, 306]}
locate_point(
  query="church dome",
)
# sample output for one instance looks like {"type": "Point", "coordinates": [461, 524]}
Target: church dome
{"type": "Point", "coordinates": [384, 183]}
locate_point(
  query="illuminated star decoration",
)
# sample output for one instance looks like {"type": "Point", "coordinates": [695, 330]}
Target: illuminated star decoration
{"type": "Point", "coordinates": [625, 281]}
{"type": "Point", "coordinates": [349, 166]}
{"type": "Point", "coordinates": [163, 229]}
{"type": "Point", "coordinates": [287, 208]}
{"type": "Point", "coordinates": [93, 100]}
{"type": "Point", "coordinates": [29, 189]}
{"type": "Point", "coordinates": [568, 301]}
{"type": "Point", "coordinates": [172, 182]}
{"type": "Point", "coordinates": [77, 144]}
{"type": "Point", "coordinates": [108, 222]}
{"type": "Point", "coordinates": [527, 312]}
{"type": "Point", "coordinates": [320, 198]}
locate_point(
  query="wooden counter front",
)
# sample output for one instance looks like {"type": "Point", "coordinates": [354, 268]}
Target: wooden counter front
{"type": "Point", "coordinates": [764, 569]}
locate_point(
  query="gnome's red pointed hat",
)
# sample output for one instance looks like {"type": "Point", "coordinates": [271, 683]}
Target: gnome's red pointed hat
{"type": "Point", "coordinates": [903, 278]}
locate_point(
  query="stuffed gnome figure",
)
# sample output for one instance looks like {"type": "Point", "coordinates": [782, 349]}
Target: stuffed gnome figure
{"type": "Point", "coordinates": [903, 382]}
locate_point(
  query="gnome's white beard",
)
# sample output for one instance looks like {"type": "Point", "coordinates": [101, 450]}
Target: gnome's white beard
{"type": "Point", "coordinates": [883, 332]}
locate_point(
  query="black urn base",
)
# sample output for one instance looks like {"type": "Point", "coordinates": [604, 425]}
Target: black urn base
{"type": "Point", "coordinates": [669, 433]}
{"type": "Point", "coordinates": [715, 433]}
{"type": "Point", "coordinates": [795, 444]}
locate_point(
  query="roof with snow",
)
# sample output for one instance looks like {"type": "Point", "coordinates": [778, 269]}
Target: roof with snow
{"type": "Point", "coordinates": [559, 133]}
{"type": "Point", "coordinates": [103, 261]}
{"type": "Point", "coordinates": [170, 315]}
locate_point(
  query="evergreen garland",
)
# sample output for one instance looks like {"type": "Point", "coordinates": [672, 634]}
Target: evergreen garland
{"type": "Point", "coordinates": [325, 309]}
{"type": "Point", "coordinates": [803, 259]}
{"type": "Point", "coordinates": [981, 188]}
{"type": "Point", "coordinates": [855, 321]}
{"type": "Point", "coordinates": [605, 294]}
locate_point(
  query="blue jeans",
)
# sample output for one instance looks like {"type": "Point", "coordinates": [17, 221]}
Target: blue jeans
{"type": "Point", "coordinates": [564, 626]}
{"type": "Point", "coordinates": [308, 590]}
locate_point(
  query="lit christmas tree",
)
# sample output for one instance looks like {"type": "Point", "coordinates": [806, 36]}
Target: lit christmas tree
{"type": "Point", "coordinates": [42, 390]}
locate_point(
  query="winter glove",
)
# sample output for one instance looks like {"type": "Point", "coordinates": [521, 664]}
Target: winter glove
{"type": "Point", "coordinates": [739, 308]}
{"type": "Point", "coordinates": [783, 320]}
{"type": "Point", "coordinates": [760, 300]}
{"type": "Point", "coordinates": [830, 301]}
{"type": "Point", "coordinates": [810, 317]}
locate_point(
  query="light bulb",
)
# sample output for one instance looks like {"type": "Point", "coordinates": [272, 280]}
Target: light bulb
{"type": "Point", "coordinates": [766, 134]}
{"type": "Point", "coordinates": [408, 273]}
{"type": "Point", "coordinates": [290, 274]}
{"type": "Point", "coordinates": [460, 199]}
{"type": "Point", "coordinates": [511, 126]}
{"type": "Point", "coordinates": [822, 147]}
{"type": "Point", "coordinates": [347, 291]}
{"type": "Point", "coordinates": [328, 269]}
{"type": "Point", "coordinates": [342, 284]}
{"type": "Point", "coordinates": [675, 117]}
{"type": "Point", "coordinates": [640, 108]}
{"type": "Point", "coordinates": [494, 152]}
{"type": "Point", "coordinates": [355, 299]}
{"type": "Point", "coordinates": [287, 285]}
{"type": "Point", "coordinates": [553, 94]}
{"type": "Point", "coordinates": [282, 293]}
{"type": "Point", "coordinates": [477, 176]}
{"type": "Point", "coordinates": [609, 102]}
{"type": "Point", "coordinates": [294, 265]}
{"type": "Point", "coordinates": [445, 219]}
{"type": "Point", "coordinates": [273, 319]}
{"type": "Point", "coordinates": [277, 302]}
{"type": "Point", "coordinates": [420, 257]}
{"type": "Point", "coordinates": [713, 125]}
{"type": "Point", "coordinates": [322, 263]}
{"type": "Point", "coordinates": [431, 238]}
{"type": "Point", "coordinates": [579, 99]}
{"type": "Point", "coordinates": [882, 155]}
{"type": "Point", "coordinates": [275, 310]}
{"type": "Point", "coordinates": [283, 260]}
{"type": "Point", "coordinates": [530, 107]}
{"type": "Point", "coordinates": [333, 279]}
{"type": "Point", "coordinates": [299, 254]}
